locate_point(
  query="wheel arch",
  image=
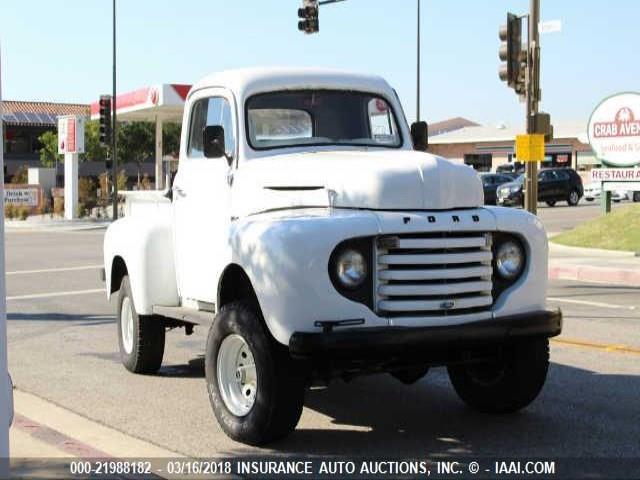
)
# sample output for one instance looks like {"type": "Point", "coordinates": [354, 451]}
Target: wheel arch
{"type": "Point", "coordinates": [235, 285]}
{"type": "Point", "coordinates": [118, 272]}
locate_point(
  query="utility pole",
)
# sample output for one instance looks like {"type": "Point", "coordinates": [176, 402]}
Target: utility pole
{"type": "Point", "coordinates": [114, 167]}
{"type": "Point", "coordinates": [532, 99]}
{"type": "Point", "coordinates": [418, 66]}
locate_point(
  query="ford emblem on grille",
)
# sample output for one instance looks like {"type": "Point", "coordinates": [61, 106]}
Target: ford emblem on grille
{"type": "Point", "coordinates": [447, 305]}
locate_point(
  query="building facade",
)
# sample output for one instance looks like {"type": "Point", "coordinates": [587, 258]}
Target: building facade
{"type": "Point", "coordinates": [486, 148]}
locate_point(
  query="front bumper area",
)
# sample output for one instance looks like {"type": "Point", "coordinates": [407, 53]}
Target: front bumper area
{"type": "Point", "coordinates": [383, 341]}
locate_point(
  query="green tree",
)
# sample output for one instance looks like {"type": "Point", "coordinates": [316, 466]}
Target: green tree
{"type": "Point", "coordinates": [49, 151]}
{"type": "Point", "coordinates": [135, 143]}
{"type": "Point", "coordinates": [171, 139]}
{"type": "Point", "coordinates": [92, 148]}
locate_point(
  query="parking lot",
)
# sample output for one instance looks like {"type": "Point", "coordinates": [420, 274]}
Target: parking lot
{"type": "Point", "coordinates": [63, 348]}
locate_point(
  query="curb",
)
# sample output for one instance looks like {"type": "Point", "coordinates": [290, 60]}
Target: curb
{"type": "Point", "coordinates": [618, 276]}
{"type": "Point", "coordinates": [588, 252]}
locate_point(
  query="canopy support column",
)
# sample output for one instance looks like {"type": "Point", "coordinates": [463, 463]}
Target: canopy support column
{"type": "Point", "coordinates": [159, 175]}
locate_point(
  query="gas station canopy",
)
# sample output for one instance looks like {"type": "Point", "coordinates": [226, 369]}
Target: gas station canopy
{"type": "Point", "coordinates": [155, 103]}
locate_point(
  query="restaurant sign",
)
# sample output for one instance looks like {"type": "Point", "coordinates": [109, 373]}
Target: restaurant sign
{"type": "Point", "coordinates": [614, 130]}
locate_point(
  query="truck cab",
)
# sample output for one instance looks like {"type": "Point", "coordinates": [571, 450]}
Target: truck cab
{"type": "Point", "coordinates": [308, 229]}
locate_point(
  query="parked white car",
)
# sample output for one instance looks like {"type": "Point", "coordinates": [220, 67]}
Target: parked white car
{"type": "Point", "coordinates": [593, 191]}
{"type": "Point", "coordinates": [313, 236]}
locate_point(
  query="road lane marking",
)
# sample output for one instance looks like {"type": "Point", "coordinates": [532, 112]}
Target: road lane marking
{"type": "Point", "coordinates": [51, 270]}
{"type": "Point", "coordinates": [591, 304]}
{"type": "Point", "coordinates": [55, 294]}
{"type": "Point", "coordinates": [606, 347]}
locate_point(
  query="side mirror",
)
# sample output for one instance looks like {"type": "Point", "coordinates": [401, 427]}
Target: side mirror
{"type": "Point", "coordinates": [213, 141]}
{"type": "Point", "coordinates": [420, 136]}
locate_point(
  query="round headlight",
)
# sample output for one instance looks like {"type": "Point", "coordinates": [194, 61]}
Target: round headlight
{"type": "Point", "coordinates": [351, 268]}
{"type": "Point", "coordinates": [509, 259]}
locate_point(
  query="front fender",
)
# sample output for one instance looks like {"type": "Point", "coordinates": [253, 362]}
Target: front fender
{"type": "Point", "coordinates": [286, 258]}
{"type": "Point", "coordinates": [529, 292]}
{"type": "Point", "coordinates": [146, 246]}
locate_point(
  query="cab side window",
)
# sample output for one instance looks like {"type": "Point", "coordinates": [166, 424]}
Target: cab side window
{"type": "Point", "coordinates": [206, 112]}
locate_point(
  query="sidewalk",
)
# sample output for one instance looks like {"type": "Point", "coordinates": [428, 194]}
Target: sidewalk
{"type": "Point", "coordinates": [47, 223]}
{"type": "Point", "coordinates": [43, 433]}
{"type": "Point", "coordinates": [593, 265]}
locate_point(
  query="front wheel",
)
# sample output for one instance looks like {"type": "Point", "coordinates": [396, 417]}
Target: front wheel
{"type": "Point", "coordinates": [255, 388]}
{"type": "Point", "coordinates": [508, 384]}
{"type": "Point", "coordinates": [573, 198]}
{"type": "Point", "coordinates": [636, 196]}
{"type": "Point", "coordinates": [141, 338]}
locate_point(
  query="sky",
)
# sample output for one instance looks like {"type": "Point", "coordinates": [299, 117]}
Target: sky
{"type": "Point", "coordinates": [61, 50]}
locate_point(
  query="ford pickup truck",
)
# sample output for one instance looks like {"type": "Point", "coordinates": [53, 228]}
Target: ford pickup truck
{"type": "Point", "coordinates": [313, 235]}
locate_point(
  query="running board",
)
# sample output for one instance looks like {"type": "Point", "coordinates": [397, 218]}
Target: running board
{"type": "Point", "coordinates": [188, 315]}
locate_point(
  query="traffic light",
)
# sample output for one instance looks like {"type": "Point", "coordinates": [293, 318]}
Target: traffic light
{"type": "Point", "coordinates": [513, 70]}
{"type": "Point", "coordinates": [308, 15]}
{"type": "Point", "coordinates": [105, 120]}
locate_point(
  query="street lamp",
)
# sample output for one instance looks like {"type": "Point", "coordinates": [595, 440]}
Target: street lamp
{"type": "Point", "coordinates": [6, 391]}
{"type": "Point", "coordinates": [114, 166]}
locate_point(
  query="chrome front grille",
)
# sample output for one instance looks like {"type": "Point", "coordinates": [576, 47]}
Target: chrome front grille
{"type": "Point", "coordinates": [433, 274]}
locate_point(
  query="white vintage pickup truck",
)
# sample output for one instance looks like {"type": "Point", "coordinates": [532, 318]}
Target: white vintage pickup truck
{"type": "Point", "coordinates": [310, 232]}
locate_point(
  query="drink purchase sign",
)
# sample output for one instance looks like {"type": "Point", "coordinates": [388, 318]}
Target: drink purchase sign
{"type": "Point", "coordinates": [614, 135]}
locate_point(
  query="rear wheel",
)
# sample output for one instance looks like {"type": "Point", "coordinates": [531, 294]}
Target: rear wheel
{"type": "Point", "coordinates": [255, 388]}
{"type": "Point", "coordinates": [573, 198]}
{"type": "Point", "coordinates": [507, 385]}
{"type": "Point", "coordinates": [141, 338]}
{"type": "Point", "coordinates": [636, 196]}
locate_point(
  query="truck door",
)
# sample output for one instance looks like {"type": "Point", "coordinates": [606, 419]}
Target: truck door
{"type": "Point", "coordinates": [201, 199]}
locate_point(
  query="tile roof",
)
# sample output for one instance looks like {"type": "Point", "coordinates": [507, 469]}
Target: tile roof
{"type": "Point", "coordinates": [39, 113]}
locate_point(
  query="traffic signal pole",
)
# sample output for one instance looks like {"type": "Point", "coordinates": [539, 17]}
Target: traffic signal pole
{"type": "Point", "coordinates": [532, 100]}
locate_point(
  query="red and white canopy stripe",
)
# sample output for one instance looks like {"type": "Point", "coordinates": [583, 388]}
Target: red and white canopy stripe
{"type": "Point", "coordinates": [164, 102]}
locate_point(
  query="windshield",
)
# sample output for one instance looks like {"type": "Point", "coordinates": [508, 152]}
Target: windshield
{"type": "Point", "coordinates": [520, 179]}
{"type": "Point", "coordinates": [320, 117]}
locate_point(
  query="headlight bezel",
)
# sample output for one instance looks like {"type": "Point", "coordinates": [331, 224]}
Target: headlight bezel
{"type": "Point", "coordinates": [500, 283]}
{"type": "Point", "coordinates": [363, 292]}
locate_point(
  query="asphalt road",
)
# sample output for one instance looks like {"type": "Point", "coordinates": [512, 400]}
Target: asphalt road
{"type": "Point", "coordinates": [63, 348]}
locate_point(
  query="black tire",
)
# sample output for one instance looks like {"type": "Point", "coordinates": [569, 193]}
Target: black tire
{"type": "Point", "coordinates": [636, 196]}
{"type": "Point", "coordinates": [148, 337]}
{"type": "Point", "coordinates": [508, 385]}
{"type": "Point", "coordinates": [410, 376]}
{"type": "Point", "coordinates": [551, 203]}
{"type": "Point", "coordinates": [281, 384]}
{"type": "Point", "coordinates": [573, 198]}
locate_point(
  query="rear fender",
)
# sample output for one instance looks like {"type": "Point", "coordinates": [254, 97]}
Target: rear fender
{"type": "Point", "coordinates": [146, 247]}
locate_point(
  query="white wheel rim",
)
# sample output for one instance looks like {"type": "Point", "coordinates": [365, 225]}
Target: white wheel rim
{"type": "Point", "coordinates": [574, 197]}
{"type": "Point", "coordinates": [126, 325]}
{"type": "Point", "coordinates": [237, 378]}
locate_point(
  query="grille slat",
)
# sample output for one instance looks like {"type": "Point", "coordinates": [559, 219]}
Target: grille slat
{"type": "Point", "coordinates": [443, 274]}
{"type": "Point", "coordinates": [413, 289]}
{"type": "Point", "coordinates": [435, 259]}
{"type": "Point", "coordinates": [435, 274]}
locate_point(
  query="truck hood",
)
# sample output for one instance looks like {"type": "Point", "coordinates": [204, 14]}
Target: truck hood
{"type": "Point", "coordinates": [376, 180]}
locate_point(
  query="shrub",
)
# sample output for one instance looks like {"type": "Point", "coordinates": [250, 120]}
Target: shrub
{"type": "Point", "coordinates": [23, 212]}
{"type": "Point", "coordinates": [21, 176]}
{"type": "Point", "coordinates": [9, 211]}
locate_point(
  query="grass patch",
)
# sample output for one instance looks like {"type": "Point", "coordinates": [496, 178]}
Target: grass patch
{"type": "Point", "coordinates": [620, 230]}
